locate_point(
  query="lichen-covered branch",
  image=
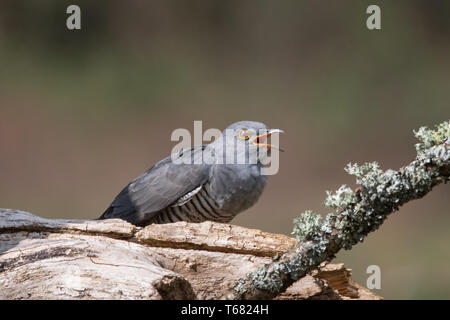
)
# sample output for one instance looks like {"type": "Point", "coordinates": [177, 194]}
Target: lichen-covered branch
{"type": "Point", "coordinates": [356, 214]}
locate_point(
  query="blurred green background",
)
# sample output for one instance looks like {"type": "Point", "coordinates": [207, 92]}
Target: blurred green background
{"type": "Point", "coordinates": [83, 112]}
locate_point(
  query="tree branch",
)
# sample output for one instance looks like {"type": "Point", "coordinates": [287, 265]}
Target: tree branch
{"type": "Point", "coordinates": [356, 214]}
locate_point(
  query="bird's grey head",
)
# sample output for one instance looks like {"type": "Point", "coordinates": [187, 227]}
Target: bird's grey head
{"type": "Point", "coordinates": [245, 142]}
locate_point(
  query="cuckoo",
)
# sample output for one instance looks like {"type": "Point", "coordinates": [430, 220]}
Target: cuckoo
{"type": "Point", "coordinates": [209, 182]}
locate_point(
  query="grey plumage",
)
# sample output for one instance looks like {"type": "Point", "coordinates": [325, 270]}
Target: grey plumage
{"type": "Point", "coordinates": [210, 190]}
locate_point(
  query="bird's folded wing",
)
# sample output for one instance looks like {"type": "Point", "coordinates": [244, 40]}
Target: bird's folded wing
{"type": "Point", "coordinates": [159, 187]}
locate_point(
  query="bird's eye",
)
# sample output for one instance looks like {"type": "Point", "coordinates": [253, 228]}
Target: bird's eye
{"type": "Point", "coordinates": [244, 135]}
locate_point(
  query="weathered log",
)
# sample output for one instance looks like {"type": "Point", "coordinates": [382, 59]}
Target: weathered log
{"type": "Point", "coordinates": [112, 259]}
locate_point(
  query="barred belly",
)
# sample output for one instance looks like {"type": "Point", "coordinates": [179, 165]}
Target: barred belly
{"type": "Point", "coordinates": [200, 207]}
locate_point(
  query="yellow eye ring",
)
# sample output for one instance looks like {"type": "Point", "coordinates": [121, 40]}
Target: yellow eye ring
{"type": "Point", "coordinates": [243, 134]}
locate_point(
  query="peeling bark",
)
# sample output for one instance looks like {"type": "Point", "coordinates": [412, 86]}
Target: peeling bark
{"type": "Point", "coordinates": [112, 259]}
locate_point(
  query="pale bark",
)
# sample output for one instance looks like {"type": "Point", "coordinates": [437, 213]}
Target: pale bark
{"type": "Point", "coordinates": [111, 259]}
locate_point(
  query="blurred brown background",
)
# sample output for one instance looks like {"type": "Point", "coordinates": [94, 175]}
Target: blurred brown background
{"type": "Point", "coordinates": [83, 112]}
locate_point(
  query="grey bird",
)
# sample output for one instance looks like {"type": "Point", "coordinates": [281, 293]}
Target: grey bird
{"type": "Point", "coordinates": [211, 189]}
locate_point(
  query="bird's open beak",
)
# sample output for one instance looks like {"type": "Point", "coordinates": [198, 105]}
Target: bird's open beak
{"type": "Point", "coordinates": [261, 140]}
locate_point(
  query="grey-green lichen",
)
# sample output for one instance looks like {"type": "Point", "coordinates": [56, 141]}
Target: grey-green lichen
{"type": "Point", "coordinates": [366, 173]}
{"type": "Point", "coordinates": [262, 279]}
{"type": "Point", "coordinates": [341, 198]}
{"type": "Point", "coordinates": [357, 213]}
{"type": "Point", "coordinates": [306, 225]}
{"type": "Point", "coordinates": [429, 137]}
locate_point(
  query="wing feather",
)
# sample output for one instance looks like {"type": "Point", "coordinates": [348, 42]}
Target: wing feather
{"type": "Point", "coordinates": [159, 187]}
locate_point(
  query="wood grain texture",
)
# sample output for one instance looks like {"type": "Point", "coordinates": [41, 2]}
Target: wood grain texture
{"type": "Point", "coordinates": [112, 259]}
